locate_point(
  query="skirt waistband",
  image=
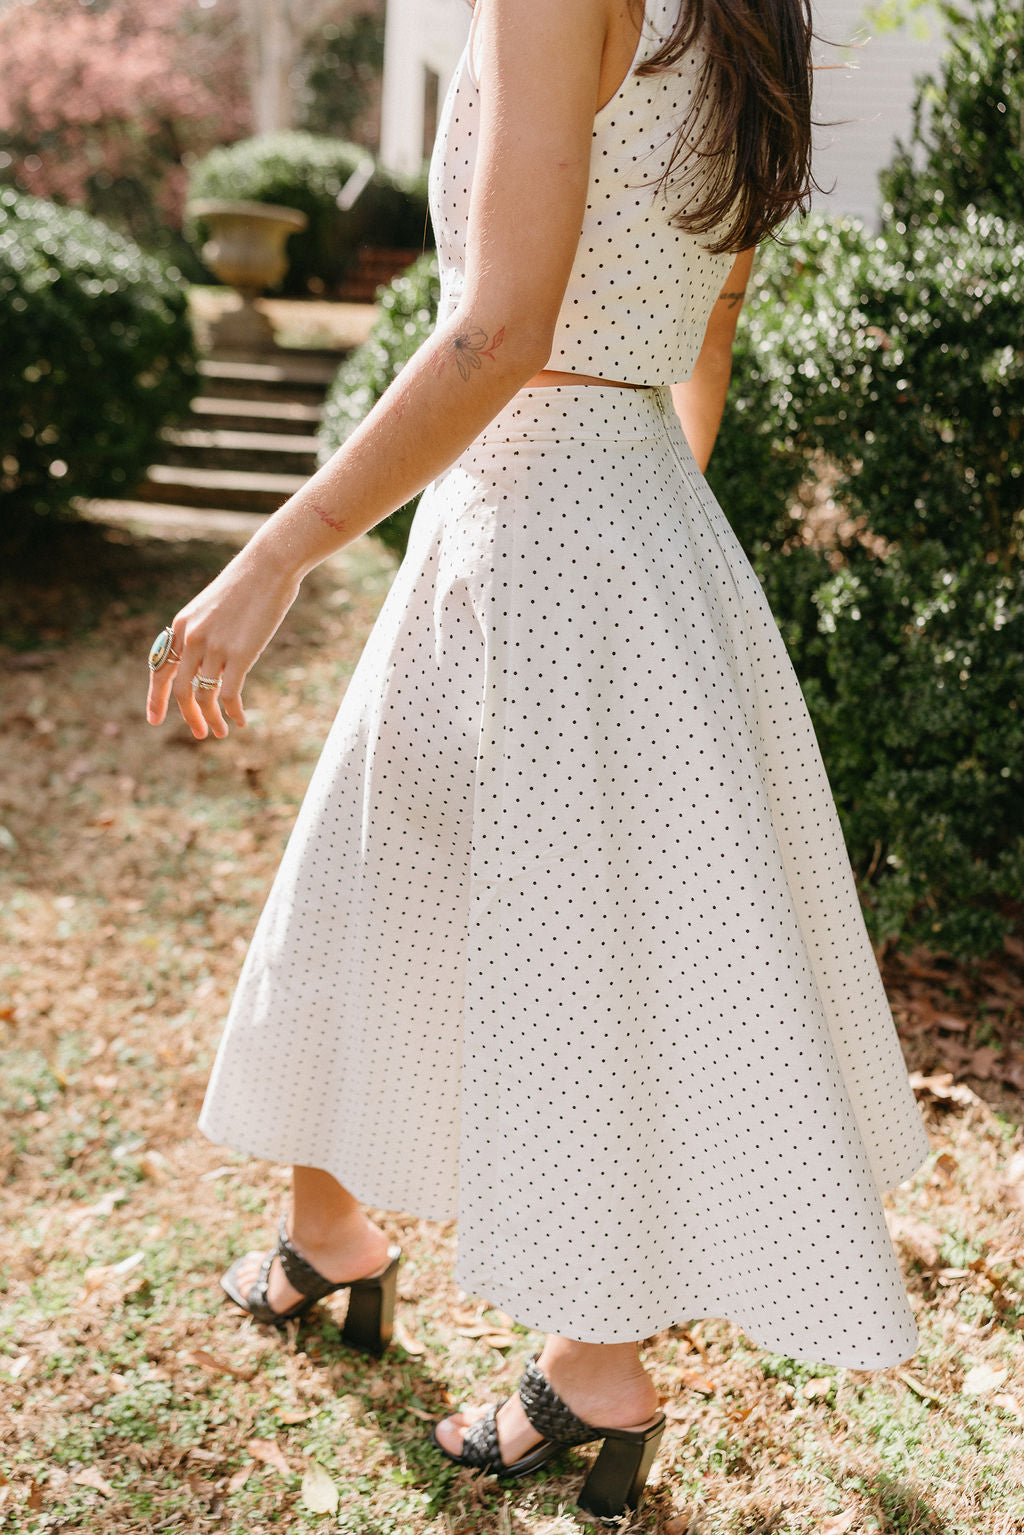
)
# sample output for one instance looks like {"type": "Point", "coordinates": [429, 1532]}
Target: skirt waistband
{"type": "Point", "coordinates": [597, 412]}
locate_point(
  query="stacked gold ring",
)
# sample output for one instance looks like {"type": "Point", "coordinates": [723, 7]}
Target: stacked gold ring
{"type": "Point", "coordinates": [205, 684]}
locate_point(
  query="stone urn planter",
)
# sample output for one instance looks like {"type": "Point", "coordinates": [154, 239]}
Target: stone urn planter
{"type": "Point", "coordinates": [246, 250]}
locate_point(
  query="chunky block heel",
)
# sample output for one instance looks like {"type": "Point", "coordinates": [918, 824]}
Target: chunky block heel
{"type": "Point", "coordinates": [371, 1310]}
{"type": "Point", "coordinates": [619, 1474]}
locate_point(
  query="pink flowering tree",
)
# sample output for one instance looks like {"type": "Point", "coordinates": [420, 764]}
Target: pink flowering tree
{"type": "Point", "coordinates": [103, 103]}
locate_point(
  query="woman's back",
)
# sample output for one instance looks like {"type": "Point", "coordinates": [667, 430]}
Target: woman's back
{"type": "Point", "coordinates": [641, 289]}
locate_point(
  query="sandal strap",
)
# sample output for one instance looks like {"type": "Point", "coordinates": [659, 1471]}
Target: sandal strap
{"type": "Point", "coordinates": [480, 1443]}
{"type": "Point", "coordinates": [301, 1274]}
{"type": "Point", "coordinates": [548, 1413]}
{"type": "Point", "coordinates": [257, 1300]}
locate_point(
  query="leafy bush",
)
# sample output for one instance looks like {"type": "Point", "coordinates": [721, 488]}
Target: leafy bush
{"type": "Point", "coordinates": [341, 68]}
{"type": "Point", "coordinates": [408, 307]}
{"type": "Point", "coordinates": [301, 170]}
{"type": "Point", "coordinates": [899, 364]}
{"type": "Point", "coordinates": [98, 356]}
{"type": "Point", "coordinates": [966, 145]}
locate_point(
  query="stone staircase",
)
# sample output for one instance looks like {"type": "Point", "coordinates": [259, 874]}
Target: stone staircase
{"type": "Point", "coordinates": [250, 442]}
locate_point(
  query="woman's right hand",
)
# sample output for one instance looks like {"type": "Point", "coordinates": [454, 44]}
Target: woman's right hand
{"type": "Point", "coordinates": [220, 635]}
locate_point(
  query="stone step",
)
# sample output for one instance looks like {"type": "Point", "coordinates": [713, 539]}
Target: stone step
{"type": "Point", "coordinates": [290, 416]}
{"type": "Point", "coordinates": [180, 485]}
{"type": "Point", "coordinates": [276, 452]}
{"type": "Point", "coordinates": [299, 382]}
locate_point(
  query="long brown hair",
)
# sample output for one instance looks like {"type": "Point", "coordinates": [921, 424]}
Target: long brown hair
{"type": "Point", "coordinates": [753, 94]}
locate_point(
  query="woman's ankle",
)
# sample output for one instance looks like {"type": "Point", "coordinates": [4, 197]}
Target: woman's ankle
{"type": "Point", "coordinates": [605, 1381]}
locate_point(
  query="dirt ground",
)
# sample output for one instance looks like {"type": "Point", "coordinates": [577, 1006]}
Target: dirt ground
{"type": "Point", "coordinates": [134, 863]}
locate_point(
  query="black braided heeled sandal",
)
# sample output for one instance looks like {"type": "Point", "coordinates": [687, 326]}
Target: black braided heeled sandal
{"type": "Point", "coordinates": [371, 1304]}
{"type": "Point", "coordinates": [616, 1479]}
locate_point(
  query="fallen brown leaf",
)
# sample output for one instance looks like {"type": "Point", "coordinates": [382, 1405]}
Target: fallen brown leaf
{"type": "Point", "coordinates": [497, 1339]}
{"type": "Point", "coordinates": [207, 1361]}
{"type": "Point", "coordinates": [240, 1478]}
{"type": "Point", "coordinates": [269, 1452]}
{"type": "Point", "coordinates": [687, 1523]}
{"type": "Point", "coordinates": [918, 1387]}
{"type": "Point", "coordinates": [983, 1378]}
{"type": "Point", "coordinates": [839, 1523]}
{"type": "Point", "coordinates": [697, 1381]}
{"type": "Point", "coordinates": [1009, 1404]}
{"type": "Point", "coordinates": [817, 1386]}
{"type": "Point", "coordinates": [920, 1239]}
{"type": "Point", "coordinates": [404, 1337]}
{"type": "Point", "coordinates": [982, 1061]}
{"type": "Point", "coordinates": [297, 1414]}
{"type": "Point", "coordinates": [90, 1477]}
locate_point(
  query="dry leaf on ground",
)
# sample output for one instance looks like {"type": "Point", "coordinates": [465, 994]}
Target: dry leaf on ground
{"type": "Point", "coordinates": [408, 1342]}
{"type": "Point", "coordinates": [918, 1387]}
{"type": "Point", "coordinates": [319, 1492]}
{"type": "Point", "coordinates": [817, 1386]}
{"type": "Point", "coordinates": [984, 1378]}
{"type": "Point", "coordinates": [90, 1477]}
{"type": "Point", "coordinates": [839, 1523]}
{"type": "Point", "coordinates": [270, 1453]}
{"type": "Point", "coordinates": [207, 1361]}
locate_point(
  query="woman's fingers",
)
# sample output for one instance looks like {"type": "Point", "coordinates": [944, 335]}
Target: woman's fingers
{"type": "Point", "coordinates": [206, 686]}
{"type": "Point", "coordinates": [231, 692]}
{"type": "Point", "coordinates": [185, 695]}
{"type": "Point", "coordinates": [161, 681]}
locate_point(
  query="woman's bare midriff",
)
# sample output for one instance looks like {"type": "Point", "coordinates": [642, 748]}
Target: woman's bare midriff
{"type": "Point", "coordinates": [550, 376]}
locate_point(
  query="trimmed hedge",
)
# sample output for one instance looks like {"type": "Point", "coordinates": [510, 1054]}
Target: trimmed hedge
{"type": "Point", "coordinates": [98, 356]}
{"type": "Point", "coordinates": [900, 364]}
{"type": "Point", "coordinates": [305, 171]}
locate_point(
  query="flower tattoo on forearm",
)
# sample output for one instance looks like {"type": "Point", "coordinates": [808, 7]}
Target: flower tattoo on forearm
{"type": "Point", "coordinates": [470, 345]}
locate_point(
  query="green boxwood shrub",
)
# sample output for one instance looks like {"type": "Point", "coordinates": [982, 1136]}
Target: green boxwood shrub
{"type": "Point", "coordinates": [98, 355]}
{"type": "Point", "coordinates": [899, 363]}
{"type": "Point", "coordinates": [408, 307]}
{"type": "Point", "coordinates": [305, 171]}
{"type": "Point", "coordinates": [966, 145]}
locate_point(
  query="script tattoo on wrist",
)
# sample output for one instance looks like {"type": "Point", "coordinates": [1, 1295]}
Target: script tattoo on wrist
{"type": "Point", "coordinates": [470, 345]}
{"type": "Point", "coordinates": [732, 299]}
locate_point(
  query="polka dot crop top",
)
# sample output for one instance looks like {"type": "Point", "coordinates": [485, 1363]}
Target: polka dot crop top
{"type": "Point", "coordinates": [641, 290]}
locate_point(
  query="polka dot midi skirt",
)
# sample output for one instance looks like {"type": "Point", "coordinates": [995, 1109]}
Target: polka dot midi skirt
{"type": "Point", "coordinates": [565, 942]}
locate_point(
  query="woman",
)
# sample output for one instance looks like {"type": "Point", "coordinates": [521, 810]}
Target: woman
{"type": "Point", "coordinates": [565, 941]}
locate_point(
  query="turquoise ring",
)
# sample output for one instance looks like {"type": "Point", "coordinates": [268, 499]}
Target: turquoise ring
{"type": "Point", "coordinates": [162, 649]}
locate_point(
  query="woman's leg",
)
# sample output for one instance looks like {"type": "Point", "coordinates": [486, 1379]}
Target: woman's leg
{"type": "Point", "coordinates": [332, 1232]}
{"type": "Point", "coordinates": [603, 1383]}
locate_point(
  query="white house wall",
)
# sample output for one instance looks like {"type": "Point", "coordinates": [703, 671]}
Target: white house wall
{"type": "Point", "coordinates": [868, 101]}
{"type": "Point", "coordinates": [418, 35]}
{"type": "Point", "coordinates": [867, 105]}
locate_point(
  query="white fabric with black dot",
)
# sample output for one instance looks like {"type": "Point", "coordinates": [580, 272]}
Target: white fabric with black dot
{"type": "Point", "coordinates": [565, 942]}
{"type": "Point", "coordinates": [640, 290]}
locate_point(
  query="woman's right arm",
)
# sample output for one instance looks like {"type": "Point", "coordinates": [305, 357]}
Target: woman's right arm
{"type": "Point", "coordinates": [540, 68]}
{"type": "Point", "coordinates": [700, 400]}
